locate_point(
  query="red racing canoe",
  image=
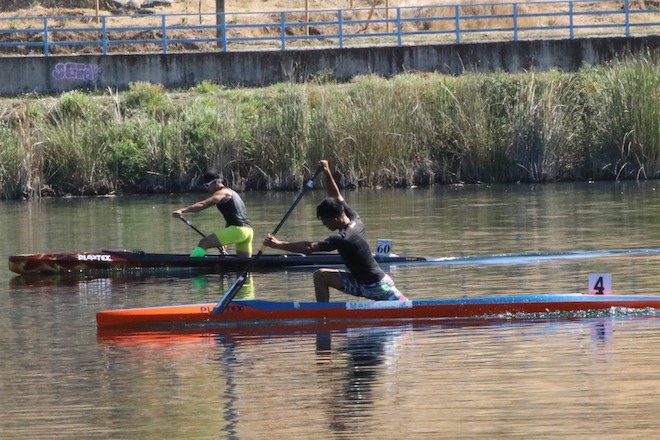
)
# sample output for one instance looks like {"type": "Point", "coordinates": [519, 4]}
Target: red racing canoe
{"type": "Point", "coordinates": [256, 311]}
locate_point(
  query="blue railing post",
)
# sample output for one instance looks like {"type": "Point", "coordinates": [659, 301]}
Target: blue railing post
{"type": "Point", "coordinates": [164, 34]}
{"type": "Point", "coordinates": [283, 29]}
{"type": "Point", "coordinates": [223, 31]}
{"type": "Point", "coordinates": [399, 27]}
{"type": "Point", "coordinates": [570, 20]}
{"type": "Point", "coordinates": [104, 36]}
{"type": "Point", "coordinates": [340, 24]}
{"type": "Point", "coordinates": [515, 22]}
{"type": "Point", "coordinates": [458, 24]}
{"type": "Point", "coordinates": [626, 7]}
{"type": "Point", "coordinates": [45, 36]}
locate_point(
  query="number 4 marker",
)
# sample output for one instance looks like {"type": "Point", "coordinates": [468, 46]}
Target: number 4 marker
{"type": "Point", "coordinates": [600, 284]}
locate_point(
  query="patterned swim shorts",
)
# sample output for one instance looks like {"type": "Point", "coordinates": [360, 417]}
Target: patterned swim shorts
{"type": "Point", "coordinates": [383, 290]}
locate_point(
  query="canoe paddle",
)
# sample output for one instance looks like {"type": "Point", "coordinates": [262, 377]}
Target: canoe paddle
{"type": "Point", "coordinates": [233, 290]}
{"type": "Point", "coordinates": [222, 250]}
{"type": "Point", "coordinates": [192, 226]}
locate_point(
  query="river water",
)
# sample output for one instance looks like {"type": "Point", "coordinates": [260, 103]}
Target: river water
{"type": "Point", "coordinates": [544, 378]}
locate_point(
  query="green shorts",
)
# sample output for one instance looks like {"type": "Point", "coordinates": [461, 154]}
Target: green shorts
{"type": "Point", "coordinates": [241, 236]}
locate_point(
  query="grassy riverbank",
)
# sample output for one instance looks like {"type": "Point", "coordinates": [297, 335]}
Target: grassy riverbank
{"type": "Point", "coordinates": [426, 129]}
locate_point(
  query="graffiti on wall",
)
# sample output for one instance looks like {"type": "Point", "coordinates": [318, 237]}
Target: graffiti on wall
{"type": "Point", "coordinates": [76, 71]}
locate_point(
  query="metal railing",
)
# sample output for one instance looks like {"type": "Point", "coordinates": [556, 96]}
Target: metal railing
{"type": "Point", "coordinates": [327, 28]}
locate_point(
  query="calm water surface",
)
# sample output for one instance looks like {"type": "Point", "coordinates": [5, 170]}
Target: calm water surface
{"type": "Point", "coordinates": [544, 378]}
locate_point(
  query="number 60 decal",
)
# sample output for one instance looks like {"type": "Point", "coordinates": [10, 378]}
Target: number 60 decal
{"type": "Point", "coordinates": [383, 247]}
{"type": "Point", "coordinates": [600, 284]}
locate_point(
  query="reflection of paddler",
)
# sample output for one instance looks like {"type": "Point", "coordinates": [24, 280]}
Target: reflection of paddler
{"type": "Point", "coordinates": [245, 292]}
{"type": "Point", "coordinates": [369, 352]}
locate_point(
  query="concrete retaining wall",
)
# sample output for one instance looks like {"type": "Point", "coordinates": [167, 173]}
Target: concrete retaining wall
{"type": "Point", "coordinates": [53, 75]}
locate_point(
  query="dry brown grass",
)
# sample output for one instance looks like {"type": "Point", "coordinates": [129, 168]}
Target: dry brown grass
{"type": "Point", "coordinates": [266, 13]}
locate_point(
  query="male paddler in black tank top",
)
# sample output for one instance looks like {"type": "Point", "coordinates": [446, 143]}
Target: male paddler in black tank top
{"type": "Point", "coordinates": [364, 277]}
{"type": "Point", "coordinates": [237, 228]}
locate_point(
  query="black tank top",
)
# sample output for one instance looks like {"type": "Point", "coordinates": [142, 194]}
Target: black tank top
{"type": "Point", "coordinates": [234, 211]}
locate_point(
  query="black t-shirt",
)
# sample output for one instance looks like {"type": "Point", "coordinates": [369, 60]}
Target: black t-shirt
{"type": "Point", "coordinates": [352, 245]}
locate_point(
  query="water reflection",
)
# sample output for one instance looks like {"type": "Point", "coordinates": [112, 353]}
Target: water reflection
{"type": "Point", "coordinates": [481, 380]}
{"type": "Point", "coordinates": [362, 370]}
{"type": "Point", "coordinates": [601, 330]}
{"type": "Point", "coordinates": [230, 395]}
{"type": "Point", "coordinates": [201, 287]}
{"type": "Point", "coordinates": [366, 353]}
{"type": "Point", "coordinates": [247, 290]}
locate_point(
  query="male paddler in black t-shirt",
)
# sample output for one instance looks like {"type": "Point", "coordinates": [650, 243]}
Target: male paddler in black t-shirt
{"type": "Point", "coordinates": [364, 277]}
{"type": "Point", "coordinates": [237, 228]}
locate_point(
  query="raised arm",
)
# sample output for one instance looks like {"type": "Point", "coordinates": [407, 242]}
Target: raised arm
{"type": "Point", "coordinates": [330, 185]}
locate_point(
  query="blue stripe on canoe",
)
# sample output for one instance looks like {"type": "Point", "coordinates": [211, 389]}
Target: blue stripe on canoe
{"type": "Point", "coordinates": [509, 299]}
{"type": "Point", "coordinates": [506, 299]}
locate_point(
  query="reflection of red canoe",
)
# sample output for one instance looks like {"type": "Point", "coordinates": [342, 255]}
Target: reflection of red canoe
{"type": "Point", "coordinates": [123, 260]}
{"type": "Point", "coordinates": [245, 333]}
{"type": "Point", "coordinates": [256, 311]}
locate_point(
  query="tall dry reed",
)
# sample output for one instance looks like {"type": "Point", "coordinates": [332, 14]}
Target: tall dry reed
{"type": "Point", "coordinates": [414, 129]}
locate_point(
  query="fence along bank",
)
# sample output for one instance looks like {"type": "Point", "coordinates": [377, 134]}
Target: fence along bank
{"type": "Point", "coordinates": [50, 74]}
